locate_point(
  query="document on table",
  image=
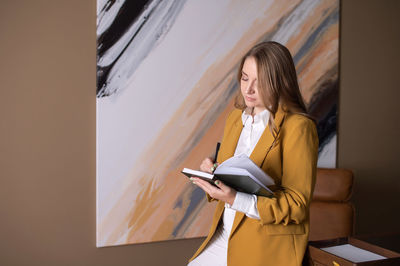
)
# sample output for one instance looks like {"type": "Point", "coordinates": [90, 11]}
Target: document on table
{"type": "Point", "coordinates": [352, 253]}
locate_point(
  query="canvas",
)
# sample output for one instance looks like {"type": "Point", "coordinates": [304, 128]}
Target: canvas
{"type": "Point", "coordinates": [166, 80]}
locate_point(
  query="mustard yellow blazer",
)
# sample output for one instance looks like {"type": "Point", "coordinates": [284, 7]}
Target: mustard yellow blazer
{"type": "Point", "coordinates": [280, 237]}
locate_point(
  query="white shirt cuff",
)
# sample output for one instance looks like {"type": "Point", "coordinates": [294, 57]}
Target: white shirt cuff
{"type": "Point", "coordinates": [245, 203]}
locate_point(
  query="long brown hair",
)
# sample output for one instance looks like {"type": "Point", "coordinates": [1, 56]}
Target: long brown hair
{"type": "Point", "coordinates": [277, 80]}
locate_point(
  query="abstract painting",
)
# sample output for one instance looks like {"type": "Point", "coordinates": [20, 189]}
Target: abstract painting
{"type": "Point", "coordinates": [165, 84]}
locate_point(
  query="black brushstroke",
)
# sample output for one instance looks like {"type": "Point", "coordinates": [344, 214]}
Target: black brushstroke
{"type": "Point", "coordinates": [127, 15]}
{"type": "Point", "coordinates": [103, 72]}
{"type": "Point", "coordinates": [323, 107]}
{"type": "Point", "coordinates": [103, 87]}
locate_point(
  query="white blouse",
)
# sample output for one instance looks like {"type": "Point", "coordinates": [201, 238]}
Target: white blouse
{"type": "Point", "coordinates": [215, 252]}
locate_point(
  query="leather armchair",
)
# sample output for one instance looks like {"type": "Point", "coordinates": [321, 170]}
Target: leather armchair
{"type": "Point", "coordinates": [331, 213]}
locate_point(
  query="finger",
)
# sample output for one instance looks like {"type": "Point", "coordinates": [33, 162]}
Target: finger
{"type": "Point", "coordinates": [214, 167]}
{"type": "Point", "coordinates": [206, 165]}
{"type": "Point", "coordinates": [203, 186]}
{"type": "Point", "coordinates": [208, 161]}
{"type": "Point", "coordinates": [207, 187]}
{"type": "Point", "coordinates": [221, 185]}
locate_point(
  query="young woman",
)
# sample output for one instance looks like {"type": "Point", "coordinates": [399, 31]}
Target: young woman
{"type": "Point", "coordinates": [270, 124]}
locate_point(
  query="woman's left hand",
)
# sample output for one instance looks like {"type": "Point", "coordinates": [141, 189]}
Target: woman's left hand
{"type": "Point", "coordinates": [222, 192]}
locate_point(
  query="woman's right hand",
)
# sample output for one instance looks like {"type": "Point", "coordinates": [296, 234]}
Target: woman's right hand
{"type": "Point", "coordinates": [208, 166]}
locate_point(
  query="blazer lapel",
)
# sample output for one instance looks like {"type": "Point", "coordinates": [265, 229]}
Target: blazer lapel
{"type": "Point", "coordinates": [259, 154]}
{"type": "Point", "coordinates": [217, 216]}
{"type": "Point", "coordinates": [231, 142]}
{"type": "Point", "coordinates": [266, 140]}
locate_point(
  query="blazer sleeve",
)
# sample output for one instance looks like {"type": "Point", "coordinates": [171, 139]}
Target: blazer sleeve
{"type": "Point", "coordinates": [299, 161]}
{"type": "Point", "coordinates": [209, 198]}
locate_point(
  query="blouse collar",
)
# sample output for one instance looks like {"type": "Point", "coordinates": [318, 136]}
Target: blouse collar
{"type": "Point", "coordinates": [262, 117]}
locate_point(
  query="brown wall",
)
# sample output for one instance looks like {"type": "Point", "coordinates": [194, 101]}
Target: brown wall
{"type": "Point", "coordinates": [369, 123]}
{"type": "Point", "coordinates": [47, 108]}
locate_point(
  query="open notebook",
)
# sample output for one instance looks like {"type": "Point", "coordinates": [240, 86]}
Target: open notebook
{"type": "Point", "coordinates": [240, 173]}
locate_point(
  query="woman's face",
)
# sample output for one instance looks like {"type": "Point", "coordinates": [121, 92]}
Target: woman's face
{"type": "Point", "coordinates": [249, 85]}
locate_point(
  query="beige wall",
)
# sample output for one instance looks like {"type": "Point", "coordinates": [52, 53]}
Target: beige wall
{"type": "Point", "coordinates": [47, 109]}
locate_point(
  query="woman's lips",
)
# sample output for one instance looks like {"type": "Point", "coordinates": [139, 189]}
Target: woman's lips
{"type": "Point", "coordinates": [250, 99]}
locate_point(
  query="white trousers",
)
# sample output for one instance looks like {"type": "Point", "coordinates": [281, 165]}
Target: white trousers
{"type": "Point", "coordinates": [215, 253]}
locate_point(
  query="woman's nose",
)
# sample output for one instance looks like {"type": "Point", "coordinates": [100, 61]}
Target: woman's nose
{"type": "Point", "coordinates": [250, 88]}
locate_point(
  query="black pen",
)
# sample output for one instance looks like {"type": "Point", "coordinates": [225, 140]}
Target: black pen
{"type": "Point", "coordinates": [216, 152]}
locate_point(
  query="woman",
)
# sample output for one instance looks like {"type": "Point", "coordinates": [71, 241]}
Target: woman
{"type": "Point", "coordinates": [270, 124]}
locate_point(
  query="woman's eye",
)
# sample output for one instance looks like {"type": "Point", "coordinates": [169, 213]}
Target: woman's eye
{"type": "Point", "coordinates": [244, 79]}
